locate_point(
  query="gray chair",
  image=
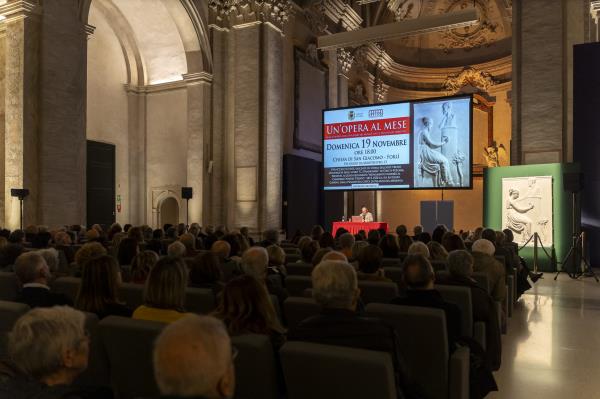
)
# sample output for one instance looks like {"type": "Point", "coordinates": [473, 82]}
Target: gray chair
{"type": "Point", "coordinates": [277, 307]}
{"type": "Point", "coordinates": [291, 258]}
{"type": "Point", "coordinates": [422, 332]}
{"type": "Point", "coordinates": [296, 285]}
{"type": "Point", "coordinates": [377, 291]}
{"type": "Point", "coordinates": [132, 294]}
{"type": "Point", "coordinates": [9, 314]}
{"type": "Point", "coordinates": [297, 309]}
{"type": "Point", "coordinates": [299, 269]}
{"type": "Point", "coordinates": [97, 372]}
{"type": "Point", "coordinates": [256, 373]}
{"type": "Point", "coordinates": [483, 280]}
{"type": "Point", "coordinates": [9, 286]}
{"type": "Point", "coordinates": [200, 300]}
{"type": "Point", "coordinates": [439, 265]}
{"type": "Point", "coordinates": [323, 372]}
{"type": "Point", "coordinates": [461, 297]}
{"type": "Point", "coordinates": [128, 344]}
{"type": "Point", "coordinates": [391, 262]}
{"type": "Point", "coordinates": [68, 286]}
{"type": "Point", "coordinates": [394, 274]}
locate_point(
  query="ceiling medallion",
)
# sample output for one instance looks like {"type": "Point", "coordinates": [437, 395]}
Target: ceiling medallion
{"type": "Point", "coordinates": [470, 37]}
{"type": "Point", "coordinates": [469, 76]}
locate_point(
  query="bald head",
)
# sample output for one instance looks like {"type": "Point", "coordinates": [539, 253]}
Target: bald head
{"type": "Point", "coordinates": [221, 248]}
{"type": "Point", "coordinates": [255, 261]}
{"type": "Point", "coordinates": [192, 357]}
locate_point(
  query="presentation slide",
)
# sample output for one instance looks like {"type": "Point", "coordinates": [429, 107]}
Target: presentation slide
{"type": "Point", "coordinates": [409, 145]}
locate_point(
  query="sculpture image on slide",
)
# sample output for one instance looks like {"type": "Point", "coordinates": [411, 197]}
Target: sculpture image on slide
{"type": "Point", "coordinates": [527, 208]}
{"type": "Point", "coordinates": [432, 161]}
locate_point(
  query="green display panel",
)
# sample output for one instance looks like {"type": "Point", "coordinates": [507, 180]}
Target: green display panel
{"type": "Point", "coordinates": [562, 207]}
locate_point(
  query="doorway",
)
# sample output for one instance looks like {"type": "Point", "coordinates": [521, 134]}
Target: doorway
{"type": "Point", "coordinates": [100, 183]}
{"type": "Point", "coordinates": [169, 212]}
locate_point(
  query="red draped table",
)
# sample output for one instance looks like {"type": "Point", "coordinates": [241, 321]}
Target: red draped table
{"type": "Point", "coordinates": [355, 227]}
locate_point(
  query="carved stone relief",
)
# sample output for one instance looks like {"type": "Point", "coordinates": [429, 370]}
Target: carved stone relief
{"type": "Point", "coordinates": [469, 76]}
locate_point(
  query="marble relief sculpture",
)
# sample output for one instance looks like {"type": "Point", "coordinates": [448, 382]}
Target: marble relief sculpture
{"type": "Point", "coordinates": [527, 208]}
{"type": "Point", "coordinates": [432, 160]}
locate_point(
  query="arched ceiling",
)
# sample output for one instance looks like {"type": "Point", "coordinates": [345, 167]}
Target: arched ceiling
{"type": "Point", "coordinates": [490, 39]}
{"type": "Point", "coordinates": [159, 39]}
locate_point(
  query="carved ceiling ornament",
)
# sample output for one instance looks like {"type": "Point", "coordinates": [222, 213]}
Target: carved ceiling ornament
{"type": "Point", "coordinates": [315, 17]}
{"type": "Point", "coordinates": [227, 13]}
{"type": "Point", "coordinates": [470, 37]}
{"type": "Point", "coordinates": [345, 61]}
{"type": "Point", "coordinates": [469, 76]}
{"type": "Point", "coordinates": [405, 9]}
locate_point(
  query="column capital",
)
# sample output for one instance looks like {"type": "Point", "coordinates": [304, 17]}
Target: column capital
{"type": "Point", "coordinates": [230, 13]}
{"type": "Point", "coordinates": [19, 9]}
{"type": "Point", "coordinates": [345, 61]}
{"type": "Point", "coordinates": [595, 10]}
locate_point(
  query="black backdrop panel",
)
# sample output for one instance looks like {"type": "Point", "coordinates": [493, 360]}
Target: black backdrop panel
{"type": "Point", "coordinates": [100, 183]}
{"type": "Point", "coordinates": [586, 139]}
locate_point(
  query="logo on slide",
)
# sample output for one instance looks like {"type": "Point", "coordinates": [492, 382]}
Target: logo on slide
{"type": "Point", "coordinates": [351, 115]}
{"type": "Point", "coordinates": [376, 113]}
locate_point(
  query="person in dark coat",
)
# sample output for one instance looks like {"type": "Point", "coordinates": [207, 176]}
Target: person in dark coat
{"type": "Point", "coordinates": [34, 274]}
{"type": "Point", "coordinates": [335, 288]}
{"type": "Point", "coordinates": [460, 264]}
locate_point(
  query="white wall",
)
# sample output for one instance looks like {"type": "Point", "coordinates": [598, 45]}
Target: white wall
{"type": "Point", "coordinates": [107, 114]}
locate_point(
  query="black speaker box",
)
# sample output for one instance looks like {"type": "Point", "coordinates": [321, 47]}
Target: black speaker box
{"type": "Point", "coordinates": [187, 193]}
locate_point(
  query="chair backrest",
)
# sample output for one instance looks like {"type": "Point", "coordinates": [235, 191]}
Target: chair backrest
{"type": "Point", "coordinates": [277, 307]}
{"type": "Point", "coordinates": [9, 314]}
{"type": "Point", "coordinates": [68, 286]}
{"type": "Point", "coordinates": [291, 258]}
{"type": "Point", "coordinates": [377, 291]}
{"type": "Point", "coordinates": [394, 274]}
{"type": "Point", "coordinates": [256, 371]}
{"type": "Point", "coordinates": [297, 284]}
{"type": "Point", "coordinates": [297, 309]}
{"type": "Point", "coordinates": [391, 262]}
{"type": "Point", "coordinates": [97, 372]}
{"type": "Point", "coordinates": [323, 372]}
{"type": "Point", "coordinates": [299, 269]}
{"type": "Point", "coordinates": [439, 265]}
{"type": "Point", "coordinates": [132, 294]}
{"type": "Point", "coordinates": [200, 300]}
{"type": "Point", "coordinates": [461, 297]}
{"type": "Point", "coordinates": [9, 286]}
{"type": "Point", "coordinates": [424, 343]}
{"type": "Point", "coordinates": [128, 344]}
{"type": "Point", "coordinates": [126, 273]}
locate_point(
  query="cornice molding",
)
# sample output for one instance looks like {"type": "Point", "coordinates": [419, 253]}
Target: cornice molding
{"type": "Point", "coordinates": [342, 13]}
{"type": "Point", "coordinates": [197, 78]}
{"type": "Point", "coordinates": [20, 9]}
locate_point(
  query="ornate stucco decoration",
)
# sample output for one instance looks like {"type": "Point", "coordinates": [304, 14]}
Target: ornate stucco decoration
{"type": "Point", "coordinates": [405, 9]}
{"type": "Point", "coordinates": [380, 90]}
{"type": "Point", "coordinates": [357, 94]}
{"type": "Point", "coordinates": [315, 17]}
{"type": "Point", "coordinates": [227, 13]}
{"type": "Point", "coordinates": [342, 13]}
{"type": "Point", "coordinates": [469, 76]}
{"type": "Point", "coordinates": [345, 61]}
{"type": "Point", "coordinates": [312, 54]}
{"type": "Point", "coordinates": [470, 37]}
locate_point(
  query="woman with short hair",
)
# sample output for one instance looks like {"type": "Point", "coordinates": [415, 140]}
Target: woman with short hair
{"type": "Point", "coordinates": [246, 308]}
{"type": "Point", "coordinates": [98, 292]}
{"type": "Point", "coordinates": [141, 266]}
{"type": "Point", "coordinates": [164, 292]}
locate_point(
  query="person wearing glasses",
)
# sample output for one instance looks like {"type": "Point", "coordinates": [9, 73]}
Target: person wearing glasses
{"type": "Point", "coordinates": [193, 358]}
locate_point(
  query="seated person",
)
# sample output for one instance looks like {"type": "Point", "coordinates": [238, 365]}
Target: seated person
{"type": "Point", "coordinates": [205, 272]}
{"type": "Point", "coordinates": [334, 255]}
{"type": "Point", "coordinates": [365, 215]}
{"type": "Point", "coordinates": [319, 256]}
{"type": "Point", "coordinates": [484, 261]}
{"type": "Point", "coordinates": [176, 249]}
{"type": "Point", "coordinates": [246, 308]}
{"type": "Point", "coordinates": [418, 276]}
{"type": "Point", "coordinates": [98, 292]}
{"type": "Point", "coordinates": [460, 264]}
{"type": "Point", "coordinates": [189, 241]}
{"type": "Point", "coordinates": [254, 263]}
{"type": "Point", "coordinates": [419, 248]}
{"type": "Point", "coordinates": [86, 252]}
{"type": "Point", "coordinates": [308, 250]}
{"type": "Point", "coordinates": [164, 293]}
{"type": "Point", "coordinates": [335, 289]}
{"type": "Point", "coordinates": [369, 264]}
{"type": "Point", "coordinates": [229, 267]}
{"type": "Point", "coordinates": [10, 252]}
{"type": "Point", "coordinates": [437, 251]}
{"type": "Point", "coordinates": [34, 275]}
{"type": "Point", "coordinates": [347, 242]}
{"type": "Point", "coordinates": [141, 266]}
{"type": "Point", "coordinates": [193, 358]}
{"type": "Point", "coordinates": [276, 261]}
{"type": "Point", "coordinates": [389, 246]}
{"type": "Point", "coordinates": [48, 349]}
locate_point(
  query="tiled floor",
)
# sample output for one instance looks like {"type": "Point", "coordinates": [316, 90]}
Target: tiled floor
{"type": "Point", "coordinates": [552, 349]}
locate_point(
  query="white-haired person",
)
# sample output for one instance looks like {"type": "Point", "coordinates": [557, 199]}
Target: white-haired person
{"type": "Point", "coordinates": [419, 248]}
{"type": "Point", "coordinates": [34, 275]}
{"type": "Point", "coordinates": [48, 349]}
{"type": "Point", "coordinates": [335, 289]}
{"type": "Point", "coordinates": [255, 262]}
{"type": "Point", "coordinates": [484, 261]}
{"type": "Point", "coordinates": [193, 358]}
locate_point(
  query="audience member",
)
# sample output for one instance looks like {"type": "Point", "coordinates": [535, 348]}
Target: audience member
{"type": "Point", "coordinates": [114, 229]}
{"type": "Point", "coordinates": [34, 275]}
{"type": "Point", "coordinates": [419, 248]}
{"type": "Point", "coordinates": [484, 261]}
{"type": "Point", "coordinates": [438, 233]}
{"type": "Point", "coordinates": [401, 231]}
{"type": "Point", "coordinates": [276, 261]}
{"type": "Point", "coordinates": [141, 265]}
{"type": "Point", "coordinates": [86, 252]}
{"type": "Point", "coordinates": [49, 349]}
{"type": "Point", "coordinates": [137, 234]}
{"type": "Point", "coordinates": [327, 241]}
{"type": "Point", "coordinates": [62, 242]}
{"type": "Point", "coordinates": [404, 243]}
{"type": "Point", "coordinates": [389, 246]}
{"type": "Point", "coordinates": [229, 267]}
{"type": "Point", "coordinates": [245, 232]}
{"type": "Point", "coordinates": [10, 253]}
{"type": "Point", "coordinates": [155, 243]}
{"type": "Point", "coordinates": [347, 241]}
{"type": "Point", "coordinates": [254, 263]}
{"type": "Point", "coordinates": [246, 308]}
{"type": "Point", "coordinates": [128, 249]}
{"type": "Point", "coordinates": [319, 255]}
{"type": "Point", "coordinates": [189, 241]}
{"type": "Point", "coordinates": [205, 272]}
{"type": "Point", "coordinates": [356, 250]}
{"type": "Point", "coordinates": [373, 237]}
{"type": "Point", "coordinates": [271, 237]}
{"type": "Point", "coordinates": [460, 264]}
{"type": "Point", "coordinates": [98, 292]}
{"type": "Point", "coordinates": [334, 255]}
{"type": "Point", "coordinates": [176, 249]}
{"type": "Point", "coordinates": [50, 255]}
{"type": "Point", "coordinates": [193, 358]}
{"type": "Point", "coordinates": [317, 232]}
{"type": "Point", "coordinates": [308, 251]}
{"type": "Point", "coordinates": [424, 237]}
{"type": "Point", "coordinates": [418, 276]}
{"type": "Point", "coordinates": [164, 292]}
{"type": "Point", "coordinates": [453, 242]}
{"type": "Point", "coordinates": [335, 289]}
{"type": "Point", "coordinates": [437, 251]}
{"type": "Point", "coordinates": [417, 231]}
{"type": "Point", "coordinates": [369, 264]}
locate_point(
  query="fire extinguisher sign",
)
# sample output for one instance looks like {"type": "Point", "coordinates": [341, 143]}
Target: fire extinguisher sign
{"type": "Point", "coordinates": [119, 203]}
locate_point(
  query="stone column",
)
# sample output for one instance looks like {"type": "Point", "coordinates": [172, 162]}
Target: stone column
{"type": "Point", "coordinates": [198, 93]}
{"type": "Point", "coordinates": [344, 61]}
{"type": "Point", "coordinates": [594, 34]}
{"type": "Point", "coordinates": [542, 78]}
{"type": "Point", "coordinates": [22, 40]}
{"type": "Point", "coordinates": [136, 125]}
{"type": "Point", "coordinates": [2, 114]}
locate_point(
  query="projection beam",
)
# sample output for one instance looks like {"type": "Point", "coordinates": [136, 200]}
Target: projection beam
{"type": "Point", "coordinates": [433, 23]}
